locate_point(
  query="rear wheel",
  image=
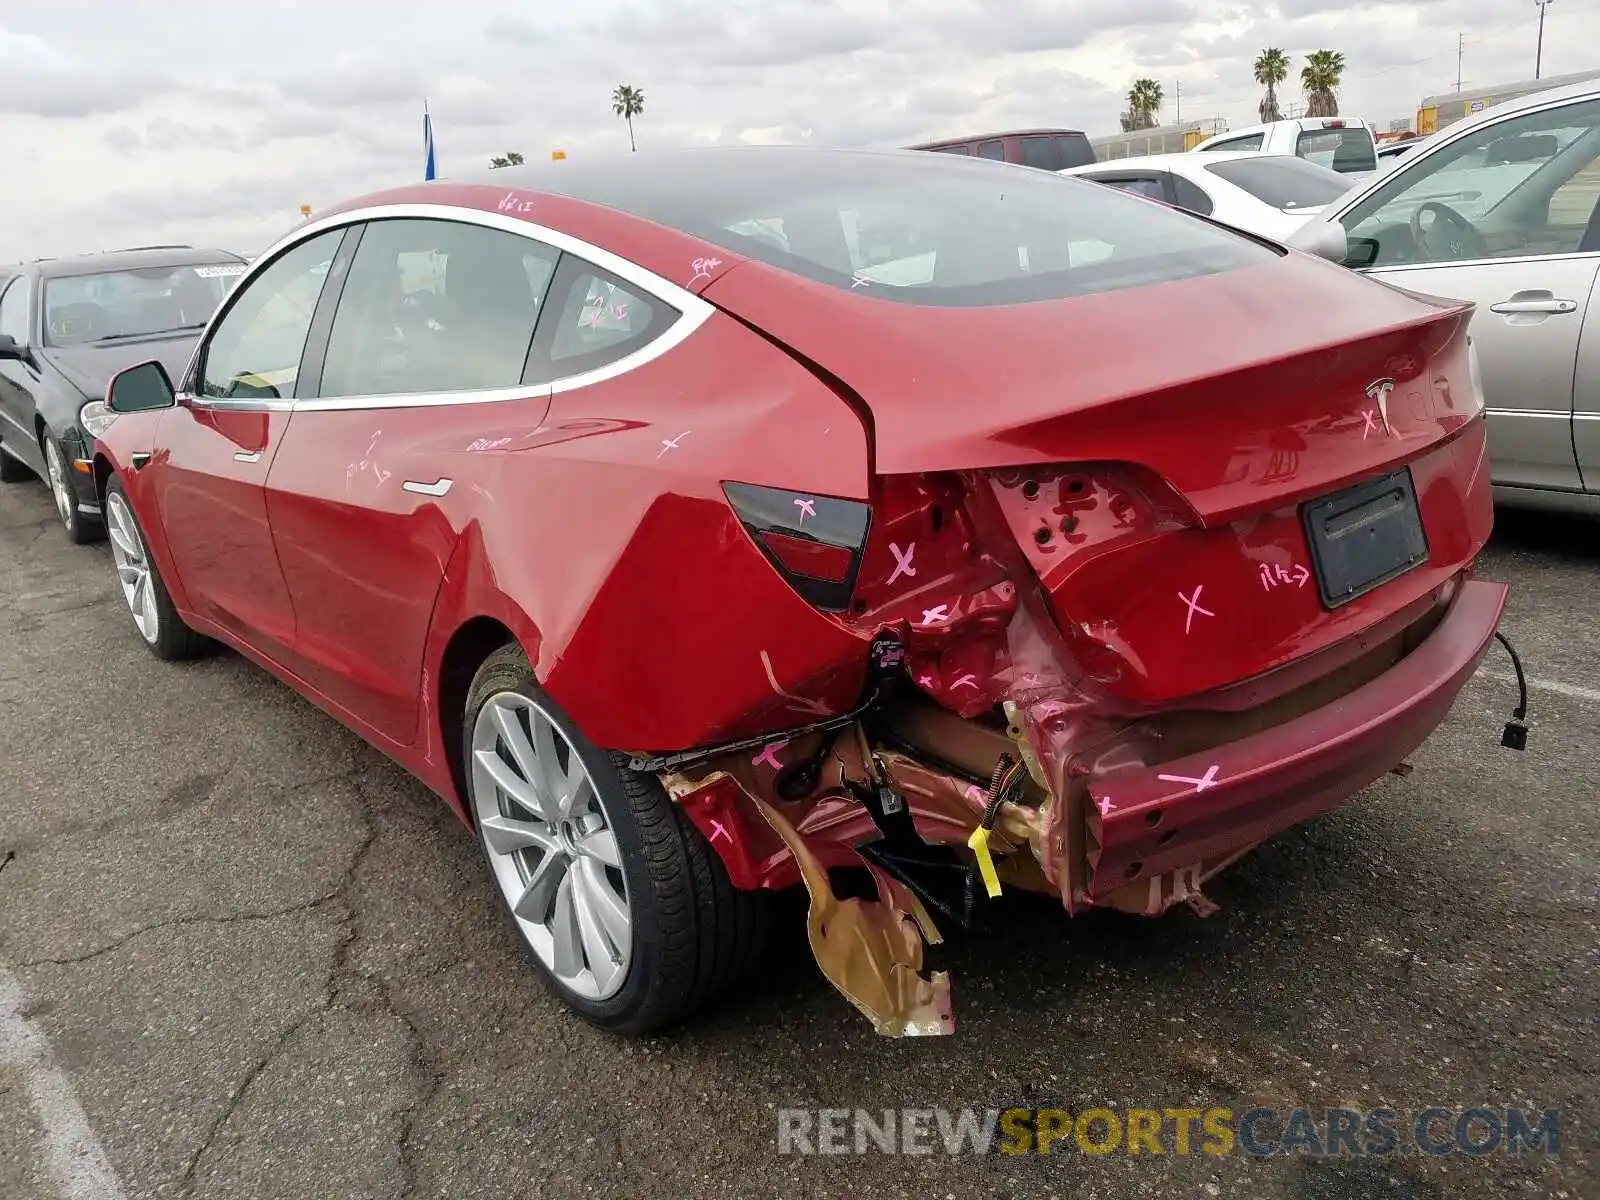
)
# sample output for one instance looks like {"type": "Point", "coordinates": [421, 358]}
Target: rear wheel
{"type": "Point", "coordinates": [624, 907]}
{"type": "Point", "coordinates": [154, 615]}
{"type": "Point", "coordinates": [81, 529]}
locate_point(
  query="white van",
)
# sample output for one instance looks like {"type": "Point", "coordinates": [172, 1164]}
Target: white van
{"type": "Point", "coordinates": [1343, 144]}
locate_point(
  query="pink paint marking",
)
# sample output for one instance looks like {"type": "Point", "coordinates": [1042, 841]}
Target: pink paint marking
{"type": "Point", "coordinates": [1194, 607]}
{"type": "Point", "coordinates": [769, 755]}
{"type": "Point", "coordinates": [926, 681]}
{"type": "Point", "coordinates": [902, 562]}
{"type": "Point", "coordinates": [1371, 424]}
{"type": "Point", "coordinates": [976, 794]}
{"type": "Point", "coordinates": [1209, 779]}
{"type": "Point", "coordinates": [1105, 806]}
{"type": "Point", "coordinates": [938, 614]}
{"type": "Point", "coordinates": [970, 681]}
{"type": "Point", "coordinates": [800, 701]}
{"type": "Point", "coordinates": [672, 443]}
{"type": "Point", "coordinates": [702, 269]}
{"type": "Point", "coordinates": [717, 831]}
{"type": "Point", "coordinates": [808, 508]}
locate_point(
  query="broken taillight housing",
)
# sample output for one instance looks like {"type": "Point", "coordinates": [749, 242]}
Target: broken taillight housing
{"type": "Point", "coordinates": [814, 542]}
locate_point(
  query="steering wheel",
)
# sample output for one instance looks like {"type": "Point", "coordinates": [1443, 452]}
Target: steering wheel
{"type": "Point", "coordinates": [1448, 236]}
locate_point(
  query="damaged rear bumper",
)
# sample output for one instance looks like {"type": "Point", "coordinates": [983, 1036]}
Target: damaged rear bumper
{"type": "Point", "coordinates": [1133, 814]}
{"type": "Point", "coordinates": [1208, 806]}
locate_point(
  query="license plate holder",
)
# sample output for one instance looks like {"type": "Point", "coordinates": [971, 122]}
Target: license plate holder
{"type": "Point", "coordinates": [1365, 536]}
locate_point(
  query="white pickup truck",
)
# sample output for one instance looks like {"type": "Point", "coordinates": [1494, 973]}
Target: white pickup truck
{"type": "Point", "coordinates": [1344, 144]}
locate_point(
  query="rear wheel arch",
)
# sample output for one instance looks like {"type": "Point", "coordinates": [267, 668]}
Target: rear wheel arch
{"type": "Point", "coordinates": [467, 649]}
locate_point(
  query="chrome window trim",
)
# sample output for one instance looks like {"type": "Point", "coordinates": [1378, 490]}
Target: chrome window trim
{"type": "Point", "coordinates": [1572, 255]}
{"type": "Point", "coordinates": [693, 311]}
{"type": "Point", "coordinates": [1551, 414]}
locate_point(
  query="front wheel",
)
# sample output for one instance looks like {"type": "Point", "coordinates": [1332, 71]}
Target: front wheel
{"type": "Point", "coordinates": [154, 615]}
{"type": "Point", "coordinates": [626, 910]}
{"type": "Point", "coordinates": [81, 530]}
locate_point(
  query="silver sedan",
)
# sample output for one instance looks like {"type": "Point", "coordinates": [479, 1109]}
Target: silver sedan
{"type": "Point", "coordinates": [1503, 209]}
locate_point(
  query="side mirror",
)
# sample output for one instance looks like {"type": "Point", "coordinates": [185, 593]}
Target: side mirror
{"type": "Point", "coordinates": [140, 389]}
{"type": "Point", "coordinates": [1325, 239]}
{"type": "Point", "coordinates": [9, 348]}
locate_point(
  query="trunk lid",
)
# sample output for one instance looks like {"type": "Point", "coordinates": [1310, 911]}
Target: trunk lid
{"type": "Point", "coordinates": [1148, 453]}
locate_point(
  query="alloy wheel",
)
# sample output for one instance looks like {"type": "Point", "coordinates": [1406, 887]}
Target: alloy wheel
{"type": "Point", "coordinates": [59, 488]}
{"type": "Point", "coordinates": [551, 846]}
{"type": "Point", "coordinates": [133, 567]}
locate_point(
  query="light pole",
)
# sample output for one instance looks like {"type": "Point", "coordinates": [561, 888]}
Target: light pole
{"type": "Point", "coordinates": [1538, 54]}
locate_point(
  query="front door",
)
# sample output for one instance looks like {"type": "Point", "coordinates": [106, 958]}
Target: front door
{"type": "Point", "coordinates": [19, 379]}
{"type": "Point", "coordinates": [1507, 216]}
{"type": "Point", "coordinates": [421, 399]}
{"type": "Point", "coordinates": [209, 471]}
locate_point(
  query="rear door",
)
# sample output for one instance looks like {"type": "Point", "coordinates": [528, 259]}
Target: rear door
{"type": "Point", "coordinates": [421, 401]}
{"type": "Point", "coordinates": [1509, 218]}
{"type": "Point", "coordinates": [208, 471]}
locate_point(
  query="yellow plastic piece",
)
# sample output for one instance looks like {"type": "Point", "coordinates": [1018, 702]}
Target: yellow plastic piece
{"type": "Point", "coordinates": [978, 843]}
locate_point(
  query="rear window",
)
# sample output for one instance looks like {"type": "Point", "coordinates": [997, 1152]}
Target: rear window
{"type": "Point", "coordinates": [1283, 182]}
{"type": "Point", "coordinates": [1343, 150]}
{"type": "Point", "coordinates": [926, 228]}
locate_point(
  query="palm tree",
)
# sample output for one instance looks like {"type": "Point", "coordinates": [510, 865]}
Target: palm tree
{"type": "Point", "coordinates": [1272, 68]}
{"type": "Point", "coordinates": [509, 159]}
{"type": "Point", "coordinates": [1320, 81]}
{"type": "Point", "coordinates": [1144, 102]}
{"type": "Point", "coordinates": [628, 103]}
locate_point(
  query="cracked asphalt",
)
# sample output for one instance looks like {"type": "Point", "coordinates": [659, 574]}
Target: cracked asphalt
{"type": "Point", "coordinates": [268, 963]}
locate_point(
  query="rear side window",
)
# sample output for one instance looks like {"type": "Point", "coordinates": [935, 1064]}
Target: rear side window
{"type": "Point", "coordinates": [927, 229]}
{"type": "Point", "coordinates": [1252, 142]}
{"type": "Point", "coordinates": [1283, 182]}
{"type": "Point", "coordinates": [436, 306]}
{"type": "Point", "coordinates": [1141, 185]}
{"type": "Point", "coordinates": [1347, 149]}
{"type": "Point", "coordinates": [1073, 150]}
{"type": "Point", "coordinates": [1191, 195]}
{"type": "Point", "coordinates": [995, 150]}
{"type": "Point", "coordinates": [14, 311]}
{"type": "Point", "coordinates": [592, 320]}
{"type": "Point", "coordinates": [953, 150]}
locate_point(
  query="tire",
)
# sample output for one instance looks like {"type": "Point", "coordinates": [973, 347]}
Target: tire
{"type": "Point", "coordinates": [81, 529]}
{"type": "Point", "coordinates": [149, 603]}
{"type": "Point", "coordinates": [14, 470]}
{"type": "Point", "coordinates": [691, 934]}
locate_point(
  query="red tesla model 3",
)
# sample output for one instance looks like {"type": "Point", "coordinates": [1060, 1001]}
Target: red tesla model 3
{"type": "Point", "coordinates": [900, 526]}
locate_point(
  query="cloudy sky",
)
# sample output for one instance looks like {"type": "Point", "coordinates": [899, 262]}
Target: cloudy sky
{"type": "Point", "coordinates": [126, 121]}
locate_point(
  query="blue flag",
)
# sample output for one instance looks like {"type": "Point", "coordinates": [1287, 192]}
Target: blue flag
{"type": "Point", "coordinates": [430, 170]}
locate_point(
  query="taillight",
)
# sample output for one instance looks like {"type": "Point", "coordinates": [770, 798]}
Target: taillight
{"type": "Point", "coordinates": [814, 542]}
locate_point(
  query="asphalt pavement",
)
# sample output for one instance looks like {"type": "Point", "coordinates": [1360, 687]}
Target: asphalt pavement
{"type": "Point", "coordinates": [243, 955]}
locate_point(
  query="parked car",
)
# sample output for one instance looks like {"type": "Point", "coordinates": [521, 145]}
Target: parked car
{"type": "Point", "coordinates": [1267, 194]}
{"type": "Point", "coordinates": [1343, 144]}
{"type": "Point", "coordinates": [1047, 149]}
{"type": "Point", "coordinates": [66, 326]}
{"type": "Point", "coordinates": [1503, 209]}
{"type": "Point", "coordinates": [690, 553]}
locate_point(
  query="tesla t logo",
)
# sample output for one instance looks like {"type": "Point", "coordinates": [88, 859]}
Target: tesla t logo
{"type": "Point", "coordinates": [1378, 392]}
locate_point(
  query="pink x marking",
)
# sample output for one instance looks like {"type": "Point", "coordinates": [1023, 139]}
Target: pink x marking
{"type": "Point", "coordinates": [1209, 779]}
{"type": "Point", "coordinates": [672, 443]}
{"type": "Point", "coordinates": [1194, 607]}
{"type": "Point", "coordinates": [718, 831]}
{"type": "Point", "coordinates": [769, 755]}
{"type": "Point", "coordinates": [808, 508]}
{"type": "Point", "coordinates": [1371, 426]}
{"type": "Point", "coordinates": [1105, 806]}
{"type": "Point", "coordinates": [902, 562]}
{"type": "Point", "coordinates": [936, 614]}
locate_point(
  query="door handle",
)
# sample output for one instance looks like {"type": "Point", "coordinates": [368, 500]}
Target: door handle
{"type": "Point", "coordinates": [437, 488]}
{"type": "Point", "coordinates": [1549, 306]}
{"type": "Point", "coordinates": [252, 456]}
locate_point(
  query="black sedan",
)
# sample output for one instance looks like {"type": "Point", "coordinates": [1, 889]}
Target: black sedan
{"type": "Point", "coordinates": [67, 325]}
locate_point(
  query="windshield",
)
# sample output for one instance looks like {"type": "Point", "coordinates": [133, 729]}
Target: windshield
{"type": "Point", "coordinates": [136, 303]}
{"type": "Point", "coordinates": [923, 228]}
{"type": "Point", "coordinates": [1283, 182]}
{"type": "Point", "coordinates": [1345, 150]}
